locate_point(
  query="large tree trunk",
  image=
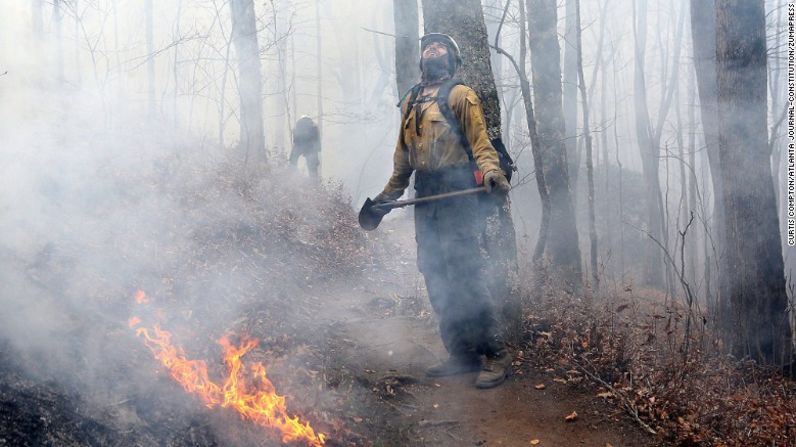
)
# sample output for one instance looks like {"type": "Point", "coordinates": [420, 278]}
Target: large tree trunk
{"type": "Point", "coordinates": [407, 54]}
{"type": "Point", "coordinates": [244, 36]}
{"type": "Point", "coordinates": [407, 44]}
{"type": "Point", "coordinates": [562, 237]}
{"type": "Point", "coordinates": [530, 120]}
{"type": "Point", "coordinates": [464, 21]}
{"type": "Point", "coordinates": [570, 95]}
{"type": "Point", "coordinates": [703, 36]}
{"type": "Point", "coordinates": [757, 324]}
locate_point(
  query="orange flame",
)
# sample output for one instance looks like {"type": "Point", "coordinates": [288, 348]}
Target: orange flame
{"type": "Point", "coordinates": [140, 297]}
{"type": "Point", "coordinates": [254, 399]}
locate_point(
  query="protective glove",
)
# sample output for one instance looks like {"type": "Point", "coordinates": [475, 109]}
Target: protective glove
{"type": "Point", "coordinates": [382, 198]}
{"type": "Point", "coordinates": [496, 181]}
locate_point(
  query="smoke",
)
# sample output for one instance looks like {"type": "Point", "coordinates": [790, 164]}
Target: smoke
{"type": "Point", "coordinates": [101, 199]}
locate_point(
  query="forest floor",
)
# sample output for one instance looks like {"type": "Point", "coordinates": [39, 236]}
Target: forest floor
{"type": "Point", "coordinates": [348, 352]}
{"type": "Point", "coordinates": [345, 332]}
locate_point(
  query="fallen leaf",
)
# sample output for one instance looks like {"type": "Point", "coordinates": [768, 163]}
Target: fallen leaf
{"type": "Point", "coordinates": [357, 419]}
{"type": "Point", "coordinates": [560, 380]}
{"type": "Point", "coordinates": [605, 394]}
{"type": "Point", "coordinates": [541, 386]}
{"type": "Point", "coordinates": [571, 417]}
{"type": "Point", "coordinates": [535, 441]}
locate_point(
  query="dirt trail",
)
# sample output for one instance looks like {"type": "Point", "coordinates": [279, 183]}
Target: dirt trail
{"type": "Point", "coordinates": [387, 350]}
{"type": "Point", "coordinates": [385, 335]}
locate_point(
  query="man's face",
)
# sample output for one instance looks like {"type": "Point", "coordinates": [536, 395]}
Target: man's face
{"type": "Point", "coordinates": [434, 49]}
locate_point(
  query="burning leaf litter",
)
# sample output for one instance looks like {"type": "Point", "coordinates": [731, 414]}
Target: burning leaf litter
{"type": "Point", "coordinates": [250, 393]}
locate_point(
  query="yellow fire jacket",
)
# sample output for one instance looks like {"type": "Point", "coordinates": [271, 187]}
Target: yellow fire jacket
{"type": "Point", "coordinates": [427, 143]}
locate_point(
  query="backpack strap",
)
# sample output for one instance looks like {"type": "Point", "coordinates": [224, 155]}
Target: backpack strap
{"type": "Point", "coordinates": [504, 158]}
{"type": "Point", "coordinates": [412, 93]}
{"type": "Point", "coordinates": [445, 108]}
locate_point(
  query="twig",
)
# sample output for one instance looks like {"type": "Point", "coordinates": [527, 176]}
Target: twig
{"type": "Point", "coordinates": [456, 438]}
{"type": "Point", "coordinates": [380, 32]}
{"type": "Point", "coordinates": [625, 401]}
{"type": "Point", "coordinates": [425, 423]}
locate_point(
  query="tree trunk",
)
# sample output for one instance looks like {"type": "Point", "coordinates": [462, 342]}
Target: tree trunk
{"type": "Point", "coordinates": [703, 36]}
{"type": "Point", "coordinates": [530, 119]}
{"type": "Point", "coordinates": [692, 179]}
{"type": "Point", "coordinates": [319, 69]}
{"type": "Point", "coordinates": [588, 140]}
{"type": "Point", "coordinates": [562, 238]}
{"type": "Point", "coordinates": [650, 152]}
{"type": "Point", "coordinates": [464, 21]}
{"type": "Point", "coordinates": [757, 324]}
{"type": "Point", "coordinates": [570, 95]}
{"type": "Point", "coordinates": [407, 44]}
{"type": "Point", "coordinates": [244, 37]}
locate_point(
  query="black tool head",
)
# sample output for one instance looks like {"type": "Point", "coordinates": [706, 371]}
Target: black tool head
{"type": "Point", "coordinates": [369, 219]}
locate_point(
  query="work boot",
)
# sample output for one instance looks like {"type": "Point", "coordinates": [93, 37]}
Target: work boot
{"type": "Point", "coordinates": [494, 370]}
{"type": "Point", "coordinates": [454, 365]}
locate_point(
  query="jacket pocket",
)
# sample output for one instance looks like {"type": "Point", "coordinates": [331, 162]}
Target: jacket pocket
{"type": "Point", "coordinates": [436, 137]}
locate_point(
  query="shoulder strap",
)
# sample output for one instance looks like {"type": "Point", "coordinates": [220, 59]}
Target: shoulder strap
{"type": "Point", "coordinates": [443, 103]}
{"type": "Point", "coordinates": [412, 93]}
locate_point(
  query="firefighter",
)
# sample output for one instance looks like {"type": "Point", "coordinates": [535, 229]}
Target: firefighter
{"type": "Point", "coordinates": [448, 155]}
{"type": "Point", "coordinates": [306, 142]}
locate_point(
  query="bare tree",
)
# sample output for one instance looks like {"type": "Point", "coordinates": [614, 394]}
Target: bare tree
{"type": "Point", "coordinates": [530, 119]}
{"type": "Point", "coordinates": [319, 68]}
{"type": "Point", "coordinates": [756, 324]}
{"type": "Point", "coordinates": [703, 37]}
{"type": "Point", "coordinates": [244, 36]}
{"type": "Point", "coordinates": [649, 140]}
{"type": "Point", "coordinates": [588, 140]}
{"type": "Point", "coordinates": [570, 93]}
{"type": "Point", "coordinates": [407, 50]}
{"type": "Point", "coordinates": [562, 237]}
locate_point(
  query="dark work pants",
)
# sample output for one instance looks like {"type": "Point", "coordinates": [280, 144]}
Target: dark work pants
{"type": "Point", "coordinates": [310, 156]}
{"type": "Point", "coordinates": [449, 255]}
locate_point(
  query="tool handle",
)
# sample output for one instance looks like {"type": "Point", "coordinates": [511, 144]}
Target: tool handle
{"type": "Point", "coordinates": [402, 203]}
